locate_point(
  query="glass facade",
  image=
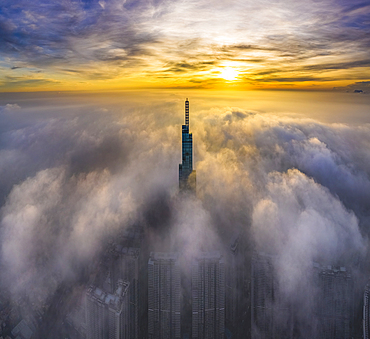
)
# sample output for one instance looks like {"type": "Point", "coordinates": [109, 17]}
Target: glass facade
{"type": "Point", "coordinates": [186, 173]}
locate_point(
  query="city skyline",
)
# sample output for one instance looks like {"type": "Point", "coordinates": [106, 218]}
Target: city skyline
{"type": "Point", "coordinates": [264, 183]}
{"type": "Point", "coordinates": [184, 169]}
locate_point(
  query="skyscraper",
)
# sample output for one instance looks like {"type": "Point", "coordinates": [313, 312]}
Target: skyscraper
{"type": "Point", "coordinates": [366, 314]}
{"type": "Point", "coordinates": [335, 309]}
{"type": "Point", "coordinates": [107, 314]}
{"type": "Point", "coordinates": [208, 296]}
{"type": "Point", "coordinates": [125, 265]}
{"type": "Point", "coordinates": [164, 288]}
{"type": "Point", "coordinates": [237, 295]}
{"type": "Point", "coordinates": [271, 317]}
{"type": "Point", "coordinates": [187, 177]}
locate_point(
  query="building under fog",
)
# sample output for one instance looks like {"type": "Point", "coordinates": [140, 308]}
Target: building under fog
{"type": "Point", "coordinates": [271, 317]}
{"type": "Point", "coordinates": [164, 288]}
{"type": "Point", "coordinates": [232, 273]}
{"type": "Point", "coordinates": [366, 314]}
{"type": "Point", "coordinates": [187, 177]}
{"type": "Point", "coordinates": [208, 296]}
{"type": "Point", "coordinates": [107, 314]}
{"type": "Point", "coordinates": [335, 296]}
{"type": "Point", "coordinates": [125, 265]}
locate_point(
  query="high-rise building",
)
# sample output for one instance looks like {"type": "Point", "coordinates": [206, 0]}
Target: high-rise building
{"type": "Point", "coordinates": [164, 288]}
{"type": "Point", "coordinates": [271, 317]}
{"type": "Point", "coordinates": [366, 314]}
{"type": "Point", "coordinates": [125, 265]}
{"type": "Point", "coordinates": [232, 280]}
{"type": "Point", "coordinates": [237, 301]}
{"type": "Point", "coordinates": [187, 177]}
{"type": "Point", "coordinates": [208, 296]}
{"type": "Point", "coordinates": [331, 316]}
{"type": "Point", "coordinates": [107, 314]}
{"type": "Point", "coordinates": [335, 308]}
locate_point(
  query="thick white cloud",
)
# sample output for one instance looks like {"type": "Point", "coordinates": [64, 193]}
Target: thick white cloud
{"type": "Point", "coordinates": [301, 222]}
{"type": "Point", "coordinates": [297, 187]}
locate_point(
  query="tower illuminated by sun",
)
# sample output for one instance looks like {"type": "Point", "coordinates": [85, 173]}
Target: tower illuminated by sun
{"type": "Point", "coordinates": [186, 173]}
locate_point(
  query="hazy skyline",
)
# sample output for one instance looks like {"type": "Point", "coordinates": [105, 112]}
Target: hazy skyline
{"type": "Point", "coordinates": [92, 100]}
{"type": "Point", "coordinates": [123, 44]}
{"type": "Point", "coordinates": [77, 170]}
{"type": "Point", "coordinates": [92, 155]}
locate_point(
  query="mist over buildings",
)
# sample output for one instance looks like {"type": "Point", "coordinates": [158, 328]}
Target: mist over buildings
{"type": "Point", "coordinates": [73, 177]}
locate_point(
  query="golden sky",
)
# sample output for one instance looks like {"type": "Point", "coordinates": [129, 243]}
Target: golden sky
{"type": "Point", "coordinates": [207, 44]}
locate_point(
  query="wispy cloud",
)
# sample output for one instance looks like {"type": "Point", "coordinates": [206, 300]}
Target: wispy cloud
{"type": "Point", "coordinates": [123, 39]}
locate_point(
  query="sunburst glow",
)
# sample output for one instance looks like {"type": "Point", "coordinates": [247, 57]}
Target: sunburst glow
{"type": "Point", "coordinates": [250, 45]}
{"type": "Point", "coordinates": [228, 73]}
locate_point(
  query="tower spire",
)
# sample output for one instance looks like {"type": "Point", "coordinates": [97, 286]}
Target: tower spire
{"type": "Point", "coordinates": [187, 112]}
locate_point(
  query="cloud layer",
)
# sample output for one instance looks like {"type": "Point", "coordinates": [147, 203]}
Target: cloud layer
{"type": "Point", "coordinates": [72, 181]}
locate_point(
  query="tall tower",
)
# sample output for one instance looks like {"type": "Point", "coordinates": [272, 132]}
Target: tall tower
{"type": "Point", "coordinates": [164, 293]}
{"type": "Point", "coordinates": [335, 303]}
{"type": "Point", "coordinates": [125, 265]}
{"type": "Point", "coordinates": [208, 296]}
{"type": "Point", "coordinates": [366, 314]}
{"type": "Point", "coordinates": [186, 174]}
{"type": "Point", "coordinates": [107, 314]}
{"type": "Point", "coordinates": [271, 315]}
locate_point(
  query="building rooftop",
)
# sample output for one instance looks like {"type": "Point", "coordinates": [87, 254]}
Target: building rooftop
{"type": "Point", "coordinates": [109, 299]}
{"type": "Point", "coordinates": [124, 250]}
{"type": "Point", "coordinates": [22, 330]}
{"type": "Point", "coordinates": [209, 255]}
{"type": "Point", "coordinates": [330, 269]}
{"type": "Point", "coordinates": [234, 242]}
{"type": "Point", "coordinates": [164, 256]}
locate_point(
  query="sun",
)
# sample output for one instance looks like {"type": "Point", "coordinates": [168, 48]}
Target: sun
{"type": "Point", "coordinates": [228, 73]}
